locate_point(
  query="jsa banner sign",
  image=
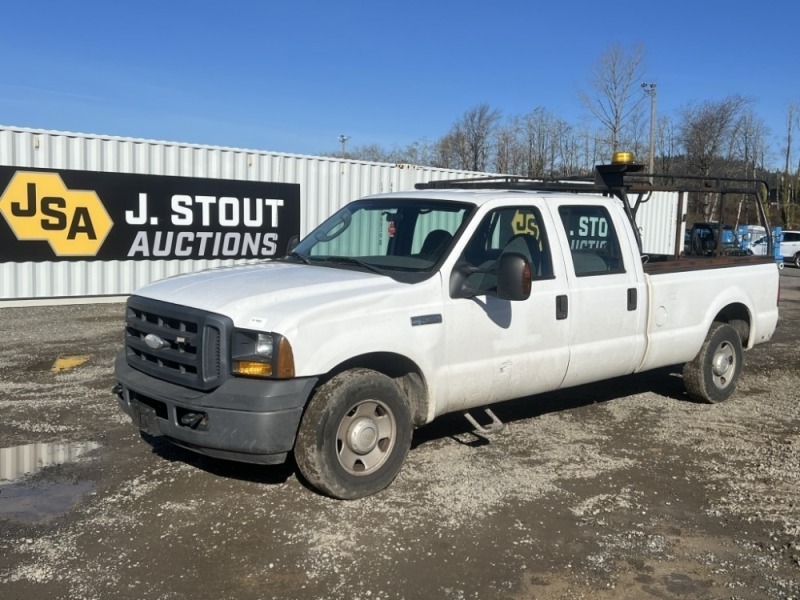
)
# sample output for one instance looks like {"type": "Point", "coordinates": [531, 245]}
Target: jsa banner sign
{"type": "Point", "coordinates": [84, 215]}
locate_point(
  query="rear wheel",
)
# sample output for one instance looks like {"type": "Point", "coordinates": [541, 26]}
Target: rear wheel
{"type": "Point", "coordinates": [713, 374]}
{"type": "Point", "coordinates": [354, 435]}
{"type": "Point", "coordinates": [797, 260]}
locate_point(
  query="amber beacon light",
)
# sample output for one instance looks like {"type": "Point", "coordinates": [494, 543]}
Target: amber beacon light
{"type": "Point", "coordinates": [622, 158]}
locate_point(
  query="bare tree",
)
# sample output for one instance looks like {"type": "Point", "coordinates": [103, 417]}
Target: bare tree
{"type": "Point", "coordinates": [749, 144]}
{"type": "Point", "coordinates": [789, 181]}
{"type": "Point", "coordinates": [478, 127]}
{"type": "Point", "coordinates": [470, 141]}
{"type": "Point", "coordinates": [508, 151]}
{"type": "Point", "coordinates": [591, 148]}
{"type": "Point", "coordinates": [615, 90]}
{"type": "Point", "coordinates": [370, 152]}
{"type": "Point", "coordinates": [707, 132]}
{"type": "Point", "coordinates": [569, 145]}
{"type": "Point", "coordinates": [666, 143]}
{"type": "Point", "coordinates": [791, 122]}
{"type": "Point", "coordinates": [635, 133]}
{"type": "Point", "coordinates": [415, 153]}
{"type": "Point", "coordinates": [538, 145]}
{"type": "Point", "coordinates": [538, 133]}
{"type": "Point", "coordinates": [449, 150]}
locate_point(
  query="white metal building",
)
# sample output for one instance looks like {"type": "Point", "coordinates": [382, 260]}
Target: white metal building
{"type": "Point", "coordinates": [326, 184]}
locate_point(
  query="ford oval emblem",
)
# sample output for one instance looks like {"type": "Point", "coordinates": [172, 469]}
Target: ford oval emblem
{"type": "Point", "coordinates": [155, 342]}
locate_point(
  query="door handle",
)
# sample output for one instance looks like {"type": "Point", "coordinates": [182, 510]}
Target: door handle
{"type": "Point", "coordinates": [562, 307]}
{"type": "Point", "coordinates": [633, 299]}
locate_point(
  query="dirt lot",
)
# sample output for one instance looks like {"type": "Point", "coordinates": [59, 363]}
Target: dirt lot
{"type": "Point", "coordinates": [618, 490]}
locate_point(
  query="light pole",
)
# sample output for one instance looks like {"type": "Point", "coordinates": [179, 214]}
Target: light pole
{"type": "Point", "coordinates": [343, 141]}
{"type": "Point", "coordinates": [650, 90]}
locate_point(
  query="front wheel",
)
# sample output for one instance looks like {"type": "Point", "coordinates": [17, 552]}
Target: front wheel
{"type": "Point", "coordinates": [354, 435]}
{"type": "Point", "coordinates": [797, 260]}
{"type": "Point", "coordinates": [713, 374]}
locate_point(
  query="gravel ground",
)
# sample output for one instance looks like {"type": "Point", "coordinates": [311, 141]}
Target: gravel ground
{"type": "Point", "coordinates": [624, 489]}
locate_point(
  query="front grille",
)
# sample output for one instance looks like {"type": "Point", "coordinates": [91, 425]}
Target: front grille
{"type": "Point", "coordinates": [187, 346]}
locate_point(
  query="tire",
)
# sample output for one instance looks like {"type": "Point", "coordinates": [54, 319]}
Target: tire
{"type": "Point", "coordinates": [796, 260]}
{"type": "Point", "coordinates": [714, 373]}
{"type": "Point", "coordinates": [354, 435]}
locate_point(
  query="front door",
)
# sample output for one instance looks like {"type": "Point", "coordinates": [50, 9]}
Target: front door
{"type": "Point", "coordinates": [497, 349]}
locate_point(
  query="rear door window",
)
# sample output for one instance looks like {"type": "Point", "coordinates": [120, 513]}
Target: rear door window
{"type": "Point", "coordinates": [593, 240]}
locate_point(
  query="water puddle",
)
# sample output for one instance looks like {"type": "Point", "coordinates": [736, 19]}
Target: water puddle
{"type": "Point", "coordinates": [18, 462]}
{"type": "Point", "coordinates": [40, 502]}
{"type": "Point", "coordinates": [34, 502]}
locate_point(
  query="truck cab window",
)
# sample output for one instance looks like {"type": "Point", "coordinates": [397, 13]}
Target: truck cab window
{"type": "Point", "coordinates": [510, 229]}
{"type": "Point", "coordinates": [593, 240]}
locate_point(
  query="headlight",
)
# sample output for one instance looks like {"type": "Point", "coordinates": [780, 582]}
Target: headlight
{"type": "Point", "coordinates": [256, 354]}
{"type": "Point", "coordinates": [264, 345]}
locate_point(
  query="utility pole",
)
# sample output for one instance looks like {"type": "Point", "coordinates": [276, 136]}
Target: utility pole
{"type": "Point", "coordinates": [650, 90]}
{"type": "Point", "coordinates": [343, 141]}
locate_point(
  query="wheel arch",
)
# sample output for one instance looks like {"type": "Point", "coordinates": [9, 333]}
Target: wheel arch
{"type": "Point", "coordinates": [405, 372]}
{"type": "Point", "coordinates": [739, 317]}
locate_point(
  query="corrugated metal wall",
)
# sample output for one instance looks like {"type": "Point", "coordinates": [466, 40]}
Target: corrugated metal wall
{"type": "Point", "coordinates": [326, 184]}
{"type": "Point", "coordinates": [657, 219]}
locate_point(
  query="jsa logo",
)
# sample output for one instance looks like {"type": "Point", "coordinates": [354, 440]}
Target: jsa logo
{"type": "Point", "coordinates": [38, 206]}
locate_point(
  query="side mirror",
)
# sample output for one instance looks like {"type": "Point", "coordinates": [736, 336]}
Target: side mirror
{"type": "Point", "coordinates": [513, 277]}
{"type": "Point", "coordinates": [293, 241]}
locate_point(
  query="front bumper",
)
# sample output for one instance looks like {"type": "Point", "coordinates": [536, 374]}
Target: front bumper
{"type": "Point", "coordinates": [247, 420]}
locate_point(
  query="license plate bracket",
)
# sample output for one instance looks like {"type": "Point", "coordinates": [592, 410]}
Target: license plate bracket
{"type": "Point", "coordinates": [144, 417]}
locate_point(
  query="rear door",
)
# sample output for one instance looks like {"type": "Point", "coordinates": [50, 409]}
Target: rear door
{"type": "Point", "coordinates": [606, 302]}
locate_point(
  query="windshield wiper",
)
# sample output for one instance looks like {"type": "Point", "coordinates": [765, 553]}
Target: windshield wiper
{"type": "Point", "coordinates": [349, 260]}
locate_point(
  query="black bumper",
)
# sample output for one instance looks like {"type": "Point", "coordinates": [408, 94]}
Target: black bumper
{"type": "Point", "coordinates": [247, 420]}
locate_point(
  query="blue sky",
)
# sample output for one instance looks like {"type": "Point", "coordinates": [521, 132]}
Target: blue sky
{"type": "Point", "coordinates": [290, 76]}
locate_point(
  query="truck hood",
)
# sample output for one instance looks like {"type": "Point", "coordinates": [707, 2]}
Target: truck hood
{"type": "Point", "coordinates": [258, 290]}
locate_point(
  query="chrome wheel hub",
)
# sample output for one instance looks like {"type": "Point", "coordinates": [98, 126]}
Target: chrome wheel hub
{"type": "Point", "coordinates": [362, 436]}
{"type": "Point", "coordinates": [365, 437]}
{"type": "Point", "coordinates": [723, 365]}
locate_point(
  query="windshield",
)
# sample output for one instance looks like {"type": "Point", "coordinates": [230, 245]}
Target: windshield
{"type": "Point", "coordinates": [402, 238]}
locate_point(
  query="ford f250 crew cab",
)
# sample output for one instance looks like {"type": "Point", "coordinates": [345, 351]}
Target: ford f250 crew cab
{"type": "Point", "coordinates": [405, 306]}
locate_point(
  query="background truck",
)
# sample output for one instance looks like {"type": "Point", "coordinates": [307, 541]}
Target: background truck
{"type": "Point", "coordinates": [402, 307]}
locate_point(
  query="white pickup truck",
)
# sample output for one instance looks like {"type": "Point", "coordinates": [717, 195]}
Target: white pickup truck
{"type": "Point", "coordinates": [402, 307]}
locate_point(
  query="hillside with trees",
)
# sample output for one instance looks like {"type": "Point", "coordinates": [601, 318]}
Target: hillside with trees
{"type": "Point", "coordinates": [722, 137]}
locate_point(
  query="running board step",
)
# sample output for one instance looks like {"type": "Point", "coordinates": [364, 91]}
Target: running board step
{"type": "Point", "coordinates": [496, 426]}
